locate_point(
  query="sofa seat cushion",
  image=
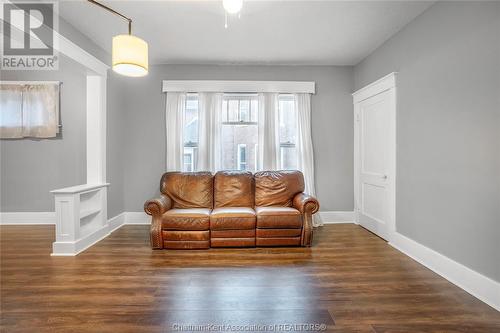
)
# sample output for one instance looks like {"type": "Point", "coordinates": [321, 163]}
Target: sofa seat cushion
{"type": "Point", "coordinates": [232, 218]}
{"type": "Point", "coordinates": [186, 219]}
{"type": "Point", "coordinates": [278, 217]}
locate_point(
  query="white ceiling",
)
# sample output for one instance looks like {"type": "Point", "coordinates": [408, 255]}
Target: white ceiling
{"type": "Point", "coordinates": [268, 32]}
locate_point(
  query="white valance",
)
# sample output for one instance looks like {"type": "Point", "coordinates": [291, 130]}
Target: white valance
{"type": "Point", "coordinates": [290, 87]}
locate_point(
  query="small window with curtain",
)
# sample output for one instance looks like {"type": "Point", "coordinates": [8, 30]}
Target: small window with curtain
{"type": "Point", "coordinates": [29, 110]}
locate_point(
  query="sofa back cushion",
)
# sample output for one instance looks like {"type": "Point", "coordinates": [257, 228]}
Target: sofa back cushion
{"type": "Point", "coordinates": [188, 189]}
{"type": "Point", "coordinates": [234, 189]}
{"type": "Point", "coordinates": [277, 188]}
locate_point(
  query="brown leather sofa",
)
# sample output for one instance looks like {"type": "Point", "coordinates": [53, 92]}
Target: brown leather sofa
{"type": "Point", "coordinates": [197, 210]}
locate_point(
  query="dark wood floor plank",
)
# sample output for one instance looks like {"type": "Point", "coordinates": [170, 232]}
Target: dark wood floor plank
{"type": "Point", "coordinates": [349, 281]}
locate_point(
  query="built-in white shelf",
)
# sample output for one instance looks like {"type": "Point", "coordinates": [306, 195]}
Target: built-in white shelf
{"type": "Point", "coordinates": [81, 217]}
{"type": "Point", "coordinates": [89, 212]}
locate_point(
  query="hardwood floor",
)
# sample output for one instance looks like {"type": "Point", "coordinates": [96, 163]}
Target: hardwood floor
{"type": "Point", "coordinates": [350, 281]}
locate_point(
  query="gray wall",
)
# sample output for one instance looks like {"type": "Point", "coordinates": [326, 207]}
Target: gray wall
{"type": "Point", "coordinates": [31, 168]}
{"type": "Point", "coordinates": [332, 122]}
{"type": "Point", "coordinates": [448, 141]}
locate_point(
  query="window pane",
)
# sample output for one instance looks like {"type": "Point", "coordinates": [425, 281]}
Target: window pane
{"type": "Point", "coordinates": [189, 159]}
{"type": "Point", "coordinates": [288, 119]}
{"type": "Point", "coordinates": [244, 110]}
{"type": "Point", "coordinates": [234, 136]}
{"type": "Point", "coordinates": [11, 112]}
{"type": "Point", "coordinates": [233, 110]}
{"type": "Point", "coordinates": [288, 158]}
{"type": "Point", "coordinates": [191, 120]}
{"type": "Point", "coordinates": [242, 159]}
{"type": "Point", "coordinates": [254, 110]}
{"type": "Point", "coordinates": [224, 111]}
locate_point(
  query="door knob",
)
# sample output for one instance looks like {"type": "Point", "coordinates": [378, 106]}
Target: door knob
{"type": "Point", "coordinates": [384, 177]}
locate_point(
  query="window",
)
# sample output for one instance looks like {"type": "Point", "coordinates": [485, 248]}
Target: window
{"type": "Point", "coordinates": [287, 132]}
{"type": "Point", "coordinates": [239, 132]}
{"type": "Point", "coordinates": [188, 159]}
{"type": "Point", "coordinates": [242, 157]}
{"type": "Point", "coordinates": [29, 110]}
{"type": "Point", "coordinates": [190, 132]}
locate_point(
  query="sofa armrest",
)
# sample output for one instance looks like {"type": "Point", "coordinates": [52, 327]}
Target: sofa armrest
{"type": "Point", "coordinates": [305, 203]}
{"type": "Point", "coordinates": [158, 206]}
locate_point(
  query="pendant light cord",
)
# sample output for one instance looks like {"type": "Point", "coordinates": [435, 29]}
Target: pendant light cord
{"type": "Point", "coordinates": [114, 12]}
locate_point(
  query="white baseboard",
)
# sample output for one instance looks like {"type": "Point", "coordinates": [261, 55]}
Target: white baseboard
{"type": "Point", "coordinates": [116, 222]}
{"type": "Point", "coordinates": [333, 217]}
{"type": "Point", "coordinates": [137, 218]}
{"type": "Point", "coordinates": [476, 284]}
{"type": "Point", "coordinates": [27, 218]}
{"type": "Point", "coordinates": [73, 248]}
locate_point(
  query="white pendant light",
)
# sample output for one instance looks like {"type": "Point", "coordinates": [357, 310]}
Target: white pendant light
{"type": "Point", "coordinates": [129, 53]}
{"type": "Point", "coordinates": [232, 6]}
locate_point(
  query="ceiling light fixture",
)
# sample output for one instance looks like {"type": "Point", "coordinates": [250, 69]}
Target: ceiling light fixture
{"type": "Point", "coordinates": [129, 53]}
{"type": "Point", "coordinates": [231, 7]}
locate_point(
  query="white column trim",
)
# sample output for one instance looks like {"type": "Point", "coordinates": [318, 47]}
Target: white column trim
{"type": "Point", "coordinates": [96, 129]}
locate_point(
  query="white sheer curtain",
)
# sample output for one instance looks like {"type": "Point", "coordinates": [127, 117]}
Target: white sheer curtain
{"type": "Point", "coordinates": [29, 110]}
{"type": "Point", "coordinates": [268, 152]}
{"type": "Point", "coordinates": [174, 116]}
{"type": "Point", "coordinates": [305, 154]}
{"type": "Point", "coordinates": [209, 131]}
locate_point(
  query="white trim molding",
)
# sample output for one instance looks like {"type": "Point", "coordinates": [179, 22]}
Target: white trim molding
{"type": "Point", "coordinates": [476, 284]}
{"type": "Point", "coordinates": [290, 87]}
{"type": "Point", "coordinates": [333, 217]}
{"type": "Point", "coordinates": [137, 218]}
{"type": "Point", "coordinates": [385, 84]}
{"type": "Point", "coordinates": [27, 218]}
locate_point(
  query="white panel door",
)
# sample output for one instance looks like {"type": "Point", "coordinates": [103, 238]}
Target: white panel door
{"type": "Point", "coordinates": [374, 116]}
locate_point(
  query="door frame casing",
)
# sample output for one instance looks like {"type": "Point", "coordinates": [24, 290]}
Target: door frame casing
{"type": "Point", "coordinates": [385, 84]}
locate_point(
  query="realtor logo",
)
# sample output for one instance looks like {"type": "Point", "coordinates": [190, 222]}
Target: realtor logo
{"type": "Point", "coordinates": [28, 40]}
